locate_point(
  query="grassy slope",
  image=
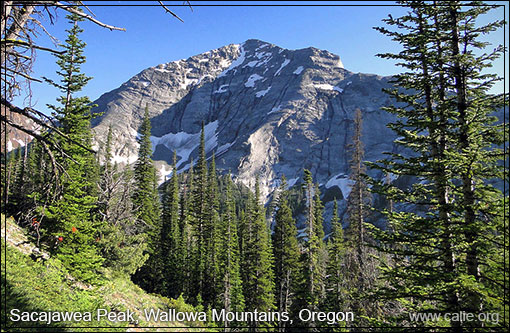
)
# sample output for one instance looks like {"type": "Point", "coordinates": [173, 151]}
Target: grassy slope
{"type": "Point", "coordinates": [44, 285]}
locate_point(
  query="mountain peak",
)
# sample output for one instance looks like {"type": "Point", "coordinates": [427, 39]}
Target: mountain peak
{"type": "Point", "coordinates": [267, 110]}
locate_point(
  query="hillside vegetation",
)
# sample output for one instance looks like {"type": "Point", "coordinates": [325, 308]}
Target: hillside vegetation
{"type": "Point", "coordinates": [33, 281]}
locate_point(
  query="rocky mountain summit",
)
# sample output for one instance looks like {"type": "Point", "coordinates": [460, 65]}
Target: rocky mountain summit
{"type": "Point", "coordinates": [267, 111]}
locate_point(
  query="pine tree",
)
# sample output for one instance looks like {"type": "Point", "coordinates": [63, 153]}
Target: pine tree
{"type": "Point", "coordinates": [286, 253]}
{"type": "Point", "coordinates": [200, 220]}
{"type": "Point", "coordinates": [171, 250]}
{"type": "Point", "coordinates": [258, 259]}
{"type": "Point", "coordinates": [314, 256]}
{"type": "Point", "coordinates": [122, 239]}
{"type": "Point", "coordinates": [213, 235]}
{"type": "Point", "coordinates": [146, 202]}
{"type": "Point", "coordinates": [336, 248]}
{"type": "Point", "coordinates": [71, 216]}
{"type": "Point", "coordinates": [337, 289]}
{"type": "Point", "coordinates": [231, 292]}
{"type": "Point", "coordinates": [187, 239]}
{"type": "Point", "coordinates": [444, 249]}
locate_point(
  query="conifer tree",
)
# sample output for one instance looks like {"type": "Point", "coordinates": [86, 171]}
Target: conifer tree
{"type": "Point", "coordinates": [187, 239]}
{"type": "Point", "coordinates": [122, 239]}
{"type": "Point", "coordinates": [71, 216]}
{"type": "Point", "coordinates": [258, 259]}
{"type": "Point", "coordinates": [213, 235]}
{"type": "Point", "coordinates": [146, 202]}
{"type": "Point", "coordinates": [314, 254]}
{"type": "Point", "coordinates": [358, 200]}
{"type": "Point", "coordinates": [200, 220]}
{"type": "Point", "coordinates": [318, 248]}
{"type": "Point", "coordinates": [170, 248]}
{"type": "Point", "coordinates": [444, 250]}
{"type": "Point", "coordinates": [336, 289]}
{"type": "Point", "coordinates": [286, 253]}
{"type": "Point", "coordinates": [231, 292]}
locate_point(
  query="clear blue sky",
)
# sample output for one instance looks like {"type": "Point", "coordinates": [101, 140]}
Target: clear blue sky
{"type": "Point", "coordinates": [153, 36]}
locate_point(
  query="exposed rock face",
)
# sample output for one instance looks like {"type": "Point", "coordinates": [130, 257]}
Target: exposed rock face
{"type": "Point", "coordinates": [267, 111]}
{"type": "Point", "coordinates": [16, 138]}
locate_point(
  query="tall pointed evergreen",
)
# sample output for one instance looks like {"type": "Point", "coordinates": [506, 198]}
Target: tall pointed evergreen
{"type": "Point", "coordinates": [170, 251]}
{"type": "Point", "coordinates": [73, 224]}
{"type": "Point", "coordinates": [258, 259]}
{"type": "Point", "coordinates": [146, 202]}
{"type": "Point", "coordinates": [335, 285]}
{"type": "Point", "coordinates": [122, 239]}
{"type": "Point", "coordinates": [231, 292]}
{"type": "Point", "coordinates": [445, 254]}
{"type": "Point", "coordinates": [286, 253]}
{"type": "Point", "coordinates": [200, 220]}
{"type": "Point", "coordinates": [358, 199]}
{"type": "Point", "coordinates": [213, 234]}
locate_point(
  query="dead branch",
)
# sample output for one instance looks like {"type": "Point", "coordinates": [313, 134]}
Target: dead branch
{"type": "Point", "coordinates": [27, 113]}
{"type": "Point", "coordinates": [73, 10]}
{"type": "Point", "coordinates": [22, 43]}
{"type": "Point", "coordinates": [169, 11]}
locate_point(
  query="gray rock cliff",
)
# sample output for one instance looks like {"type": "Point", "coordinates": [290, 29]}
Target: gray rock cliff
{"type": "Point", "coordinates": [267, 111]}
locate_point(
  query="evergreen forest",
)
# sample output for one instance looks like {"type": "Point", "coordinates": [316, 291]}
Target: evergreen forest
{"type": "Point", "coordinates": [202, 242]}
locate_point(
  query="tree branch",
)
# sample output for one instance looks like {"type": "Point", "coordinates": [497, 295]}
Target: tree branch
{"type": "Point", "coordinates": [86, 16]}
{"type": "Point", "coordinates": [169, 11]}
{"type": "Point", "coordinates": [28, 45]}
{"type": "Point", "coordinates": [26, 112]}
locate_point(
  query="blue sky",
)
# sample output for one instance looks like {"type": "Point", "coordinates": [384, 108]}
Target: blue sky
{"type": "Point", "coordinates": [153, 36]}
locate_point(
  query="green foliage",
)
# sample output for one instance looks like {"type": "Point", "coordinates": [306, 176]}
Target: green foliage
{"type": "Point", "coordinates": [42, 286]}
{"type": "Point", "coordinates": [444, 250]}
{"type": "Point", "coordinates": [231, 288]}
{"type": "Point", "coordinates": [286, 253]}
{"type": "Point", "coordinates": [314, 254]}
{"type": "Point", "coordinates": [72, 223]}
{"type": "Point", "coordinates": [121, 241]}
{"type": "Point", "coordinates": [147, 204]}
{"type": "Point", "coordinates": [258, 278]}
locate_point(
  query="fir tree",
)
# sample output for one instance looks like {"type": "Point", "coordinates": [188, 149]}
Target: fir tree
{"type": "Point", "coordinates": [122, 240]}
{"type": "Point", "coordinates": [444, 251]}
{"type": "Point", "coordinates": [286, 253]}
{"type": "Point", "coordinates": [213, 235]}
{"type": "Point", "coordinates": [171, 251]}
{"type": "Point", "coordinates": [258, 259]}
{"type": "Point", "coordinates": [187, 239]}
{"type": "Point", "coordinates": [314, 256]}
{"type": "Point", "coordinates": [72, 220]}
{"type": "Point", "coordinates": [336, 286]}
{"type": "Point", "coordinates": [146, 202]}
{"type": "Point", "coordinates": [231, 294]}
{"type": "Point", "coordinates": [200, 220]}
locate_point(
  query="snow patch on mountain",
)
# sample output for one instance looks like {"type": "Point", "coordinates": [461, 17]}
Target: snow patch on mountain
{"type": "Point", "coordinates": [223, 148]}
{"type": "Point", "coordinates": [298, 70]}
{"type": "Point", "coordinates": [251, 80]}
{"type": "Point", "coordinates": [262, 92]}
{"type": "Point", "coordinates": [343, 182]}
{"type": "Point", "coordinates": [184, 143]}
{"type": "Point", "coordinates": [235, 63]}
{"type": "Point", "coordinates": [285, 63]}
{"type": "Point", "coordinates": [275, 109]}
{"type": "Point", "coordinates": [326, 86]}
{"type": "Point", "coordinates": [221, 89]}
{"type": "Point", "coordinates": [291, 182]}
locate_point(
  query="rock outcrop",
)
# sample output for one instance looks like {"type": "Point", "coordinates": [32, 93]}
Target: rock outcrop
{"type": "Point", "coordinates": [267, 111]}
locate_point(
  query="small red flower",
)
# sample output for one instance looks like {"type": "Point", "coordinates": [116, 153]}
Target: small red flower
{"type": "Point", "coordinates": [60, 238]}
{"type": "Point", "coordinates": [73, 229]}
